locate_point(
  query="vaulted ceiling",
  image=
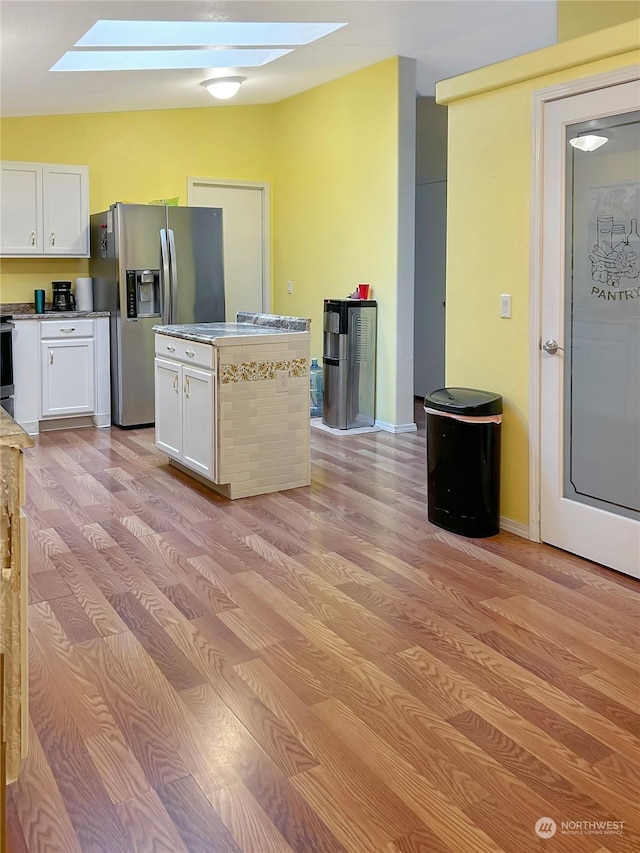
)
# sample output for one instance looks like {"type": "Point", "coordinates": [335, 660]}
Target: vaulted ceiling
{"type": "Point", "coordinates": [446, 37]}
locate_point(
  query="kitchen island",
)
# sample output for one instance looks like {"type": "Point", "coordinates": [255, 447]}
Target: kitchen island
{"type": "Point", "coordinates": [232, 402]}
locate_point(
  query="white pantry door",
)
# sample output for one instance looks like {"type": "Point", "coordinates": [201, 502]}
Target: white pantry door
{"type": "Point", "coordinates": [245, 226]}
{"type": "Point", "coordinates": [590, 359]}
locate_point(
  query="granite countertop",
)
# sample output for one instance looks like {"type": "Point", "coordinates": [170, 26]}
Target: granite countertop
{"type": "Point", "coordinates": [25, 311]}
{"type": "Point", "coordinates": [61, 315]}
{"type": "Point", "coordinates": [275, 321]}
{"type": "Point", "coordinates": [219, 333]}
{"type": "Point", "coordinates": [12, 435]}
{"type": "Point", "coordinates": [54, 315]}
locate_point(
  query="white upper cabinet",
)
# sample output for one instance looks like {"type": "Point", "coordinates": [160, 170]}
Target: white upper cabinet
{"type": "Point", "coordinates": [66, 210]}
{"type": "Point", "coordinates": [45, 210]}
{"type": "Point", "coordinates": [21, 224]}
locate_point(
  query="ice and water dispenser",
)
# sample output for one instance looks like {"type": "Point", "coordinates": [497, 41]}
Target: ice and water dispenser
{"type": "Point", "coordinates": [349, 363]}
{"type": "Point", "coordinates": [143, 294]}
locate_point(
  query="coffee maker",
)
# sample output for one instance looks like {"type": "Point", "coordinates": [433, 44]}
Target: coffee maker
{"type": "Point", "coordinates": [63, 299]}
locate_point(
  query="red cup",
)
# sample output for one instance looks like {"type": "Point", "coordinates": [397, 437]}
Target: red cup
{"type": "Point", "coordinates": [363, 291]}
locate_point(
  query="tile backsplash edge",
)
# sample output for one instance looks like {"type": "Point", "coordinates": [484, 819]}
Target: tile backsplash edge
{"type": "Point", "coordinates": [262, 371]}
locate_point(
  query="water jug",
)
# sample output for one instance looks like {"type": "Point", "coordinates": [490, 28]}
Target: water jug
{"type": "Point", "coordinates": [315, 382]}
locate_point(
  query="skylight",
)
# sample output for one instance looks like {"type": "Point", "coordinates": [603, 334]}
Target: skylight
{"type": "Point", "coordinates": [202, 33]}
{"type": "Point", "coordinates": [148, 60]}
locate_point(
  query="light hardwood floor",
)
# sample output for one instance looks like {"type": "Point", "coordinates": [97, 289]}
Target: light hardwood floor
{"type": "Point", "coordinates": [315, 671]}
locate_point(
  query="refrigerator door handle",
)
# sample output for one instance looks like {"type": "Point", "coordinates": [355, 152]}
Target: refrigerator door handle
{"type": "Point", "coordinates": [165, 278]}
{"type": "Point", "coordinates": [174, 275]}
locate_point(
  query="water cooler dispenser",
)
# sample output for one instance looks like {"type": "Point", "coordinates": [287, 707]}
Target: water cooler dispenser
{"type": "Point", "coordinates": [349, 363]}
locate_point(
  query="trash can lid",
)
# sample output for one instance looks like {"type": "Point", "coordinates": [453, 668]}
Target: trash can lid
{"type": "Point", "coordinates": [464, 401]}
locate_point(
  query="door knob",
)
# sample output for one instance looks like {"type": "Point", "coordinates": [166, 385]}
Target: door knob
{"type": "Point", "coordinates": [552, 347]}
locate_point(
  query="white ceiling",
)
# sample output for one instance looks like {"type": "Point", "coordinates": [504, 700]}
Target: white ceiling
{"type": "Point", "coordinates": [446, 37]}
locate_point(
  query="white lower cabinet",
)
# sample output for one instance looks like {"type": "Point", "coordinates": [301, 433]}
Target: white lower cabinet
{"type": "Point", "coordinates": [61, 371]}
{"type": "Point", "coordinates": [185, 414]}
{"type": "Point", "coordinates": [67, 370]}
{"type": "Point", "coordinates": [168, 407]}
{"type": "Point", "coordinates": [198, 390]}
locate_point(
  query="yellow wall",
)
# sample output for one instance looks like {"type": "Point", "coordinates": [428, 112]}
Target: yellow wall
{"type": "Point", "coordinates": [335, 204]}
{"type": "Point", "coordinates": [489, 169]}
{"type": "Point", "coordinates": [135, 157]}
{"type": "Point", "coordinates": [330, 153]}
{"type": "Point", "coordinates": [579, 17]}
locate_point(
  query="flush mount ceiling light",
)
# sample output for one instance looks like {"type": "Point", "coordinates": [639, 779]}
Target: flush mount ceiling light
{"type": "Point", "coordinates": [588, 142]}
{"type": "Point", "coordinates": [223, 87]}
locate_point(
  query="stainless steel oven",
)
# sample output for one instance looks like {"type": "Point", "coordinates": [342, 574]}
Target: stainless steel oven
{"type": "Point", "coordinates": [6, 363]}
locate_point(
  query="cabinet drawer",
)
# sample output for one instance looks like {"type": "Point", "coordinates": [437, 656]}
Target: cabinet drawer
{"type": "Point", "coordinates": [66, 328]}
{"type": "Point", "coordinates": [190, 352]}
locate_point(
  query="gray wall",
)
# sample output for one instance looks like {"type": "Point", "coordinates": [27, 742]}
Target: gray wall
{"type": "Point", "coordinates": [430, 241]}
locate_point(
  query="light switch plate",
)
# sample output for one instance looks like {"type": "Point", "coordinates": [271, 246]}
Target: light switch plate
{"type": "Point", "coordinates": [505, 305]}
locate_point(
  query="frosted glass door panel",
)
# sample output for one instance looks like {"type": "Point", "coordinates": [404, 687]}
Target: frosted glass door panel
{"type": "Point", "coordinates": [602, 318]}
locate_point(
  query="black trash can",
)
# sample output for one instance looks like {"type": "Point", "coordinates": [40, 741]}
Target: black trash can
{"type": "Point", "coordinates": [463, 460]}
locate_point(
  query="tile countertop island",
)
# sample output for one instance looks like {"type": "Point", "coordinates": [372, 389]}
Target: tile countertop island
{"type": "Point", "coordinates": [232, 402]}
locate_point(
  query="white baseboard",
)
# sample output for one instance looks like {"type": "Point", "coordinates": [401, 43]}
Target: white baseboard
{"type": "Point", "coordinates": [102, 420]}
{"type": "Point", "coordinates": [30, 427]}
{"type": "Point", "coordinates": [515, 527]}
{"type": "Point", "coordinates": [396, 428]}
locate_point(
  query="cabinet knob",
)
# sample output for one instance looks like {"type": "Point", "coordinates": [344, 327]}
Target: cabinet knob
{"type": "Point", "coordinates": [53, 238]}
{"type": "Point", "coordinates": [190, 353]}
{"type": "Point", "coordinates": [186, 387]}
{"type": "Point", "coordinates": [50, 356]}
{"type": "Point", "coordinates": [171, 349]}
{"type": "Point", "coordinates": [175, 383]}
{"type": "Point", "coordinates": [33, 238]}
{"type": "Point", "coordinates": [68, 330]}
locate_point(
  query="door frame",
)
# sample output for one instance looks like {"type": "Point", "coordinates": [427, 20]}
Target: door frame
{"type": "Point", "coordinates": [540, 98]}
{"type": "Point", "coordinates": [265, 189]}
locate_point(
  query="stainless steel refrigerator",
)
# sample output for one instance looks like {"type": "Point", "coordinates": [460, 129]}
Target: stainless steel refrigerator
{"type": "Point", "coordinates": [152, 265]}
